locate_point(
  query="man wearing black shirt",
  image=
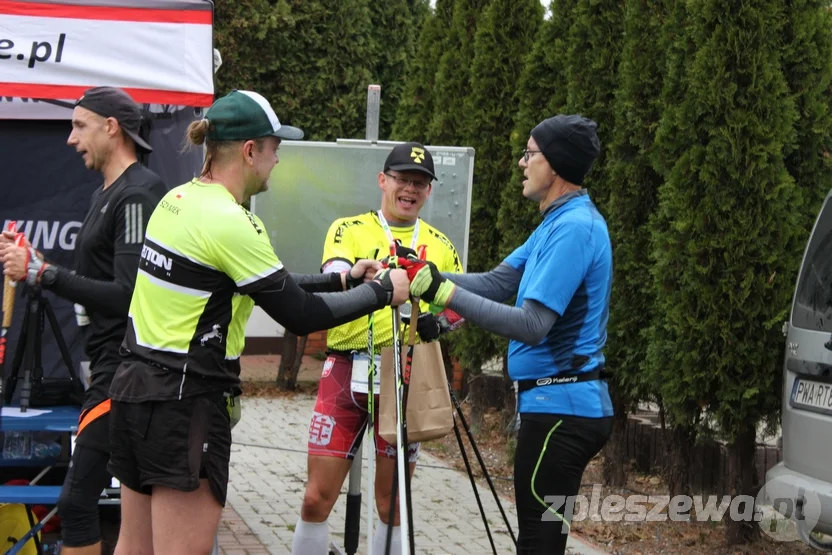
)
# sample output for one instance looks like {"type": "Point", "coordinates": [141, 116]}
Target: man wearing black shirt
{"type": "Point", "coordinates": [105, 125]}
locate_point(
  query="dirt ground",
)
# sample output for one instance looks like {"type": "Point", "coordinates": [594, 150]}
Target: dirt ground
{"type": "Point", "coordinates": [619, 538]}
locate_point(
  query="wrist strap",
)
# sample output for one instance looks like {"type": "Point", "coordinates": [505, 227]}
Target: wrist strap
{"type": "Point", "coordinates": [353, 282]}
{"type": "Point", "coordinates": [34, 267]}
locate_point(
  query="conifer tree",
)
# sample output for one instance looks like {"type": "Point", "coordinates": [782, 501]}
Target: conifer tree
{"type": "Point", "coordinates": [415, 108]}
{"type": "Point", "coordinates": [541, 93]}
{"type": "Point", "coordinates": [504, 35]}
{"type": "Point", "coordinates": [311, 59]}
{"type": "Point", "coordinates": [729, 204]}
{"type": "Point", "coordinates": [593, 53]}
{"type": "Point", "coordinates": [632, 186]}
{"type": "Point", "coordinates": [807, 61]}
{"type": "Point", "coordinates": [453, 83]}
{"type": "Point", "coordinates": [676, 40]}
{"type": "Point", "coordinates": [395, 38]}
{"type": "Point", "coordinates": [241, 29]}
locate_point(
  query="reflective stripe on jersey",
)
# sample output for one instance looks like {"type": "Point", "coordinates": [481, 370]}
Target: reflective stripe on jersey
{"type": "Point", "coordinates": [133, 223]}
{"type": "Point", "coordinates": [202, 256]}
{"type": "Point", "coordinates": [363, 236]}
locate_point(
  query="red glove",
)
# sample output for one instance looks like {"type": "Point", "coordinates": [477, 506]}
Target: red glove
{"type": "Point", "coordinates": [405, 258]}
{"type": "Point", "coordinates": [412, 267]}
{"type": "Point", "coordinates": [449, 320]}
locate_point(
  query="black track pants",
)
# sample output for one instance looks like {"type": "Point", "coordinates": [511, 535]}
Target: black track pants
{"type": "Point", "coordinates": [552, 453]}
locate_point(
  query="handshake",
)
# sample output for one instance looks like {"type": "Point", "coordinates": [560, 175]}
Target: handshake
{"type": "Point", "coordinates": [404, 274]}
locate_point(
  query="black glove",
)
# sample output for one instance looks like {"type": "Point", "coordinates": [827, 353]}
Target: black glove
{"type": "Point", "coordinates": [427, 326]}
{"type": "Point", "coordinates": [353, 281]}
{"type": "Point", "coordinates": [384, 286]}
{"type": "Point", "coordinates": [404, 252]}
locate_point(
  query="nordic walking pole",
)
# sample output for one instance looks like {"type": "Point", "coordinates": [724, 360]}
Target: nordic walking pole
{"type": "Point", "coordinates": [411, 343]}
{"type": "Point", "coordinates": [473, 483]}
{"type": "Point", "coordinates": [9, 291]}
{"type": "Point", "coordinates": [371, 444]}
{"type": "Point", "coordinates": [482, 463]}
{"type": "Point", "coordinates": [352, 520]}
{"type": "Point", "coordinates": [408, 367]}
{"type": "Point", "coordinates": [401, 441]}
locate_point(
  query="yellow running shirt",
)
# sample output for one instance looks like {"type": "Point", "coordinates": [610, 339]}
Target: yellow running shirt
{"type": "Point", "coordinates": [363, 236]}
{"type": "Point", "coordinates": [203, 255]}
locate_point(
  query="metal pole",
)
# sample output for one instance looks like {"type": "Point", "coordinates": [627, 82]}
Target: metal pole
{"type": "Point", "coordinates": [373, 112]}
{"type": "Point", "coordinates": [402, 462]}
{"type": "Point", "coordinates": [352, 521]}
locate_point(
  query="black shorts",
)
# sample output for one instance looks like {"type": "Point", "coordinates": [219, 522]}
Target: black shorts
{"type": "Point", "coordinates": [172, 444]}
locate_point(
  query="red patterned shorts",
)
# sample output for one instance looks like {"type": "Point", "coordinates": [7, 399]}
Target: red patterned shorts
{"type": "Point", "coordinates": [340, 417]}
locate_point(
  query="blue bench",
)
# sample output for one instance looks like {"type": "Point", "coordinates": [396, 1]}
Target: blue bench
{"type": "Point", "coordinates": [53, 419]}
{"type": "Point", "coordinates": [28, 496]}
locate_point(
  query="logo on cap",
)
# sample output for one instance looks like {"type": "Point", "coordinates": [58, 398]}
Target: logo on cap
{"type": "Point", "coordinates": [418, 154]}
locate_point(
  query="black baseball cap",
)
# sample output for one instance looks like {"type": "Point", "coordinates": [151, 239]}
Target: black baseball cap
{"type": "Point", "coordinates": [110, 102]}
{"type": "Point", "coordinates": [410, 157]}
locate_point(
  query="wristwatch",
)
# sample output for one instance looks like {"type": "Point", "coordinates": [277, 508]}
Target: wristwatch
{"type": "Point", "coordinates": [48, 276]}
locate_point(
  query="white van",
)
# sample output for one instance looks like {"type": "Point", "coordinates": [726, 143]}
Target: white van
{"type": "Point", "coordinates": [801, 485]}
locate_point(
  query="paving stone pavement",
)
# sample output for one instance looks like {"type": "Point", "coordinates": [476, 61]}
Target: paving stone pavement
{"type": "Point", "coordinates": [268, 477]}
{"type": "Point", "coordinates": [235, 537]}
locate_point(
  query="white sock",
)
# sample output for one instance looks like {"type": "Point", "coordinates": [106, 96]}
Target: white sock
{"type": "Point", "coordinates": [380, 539]}
{"type": "Point", "coordinates": [311, 538]}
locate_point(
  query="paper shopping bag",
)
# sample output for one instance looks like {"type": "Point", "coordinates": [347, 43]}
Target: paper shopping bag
{"type": "Point", "coordinates": [429, 409]}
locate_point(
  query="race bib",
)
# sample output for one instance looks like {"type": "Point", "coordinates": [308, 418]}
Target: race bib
{"type": "Point", "coordinates": [81, 317]}
{"type": "Point", "coordinates": [361, 371]}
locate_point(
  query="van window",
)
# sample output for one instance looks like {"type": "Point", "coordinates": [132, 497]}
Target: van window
{"type": "Point", "coordinates": [813, 299]}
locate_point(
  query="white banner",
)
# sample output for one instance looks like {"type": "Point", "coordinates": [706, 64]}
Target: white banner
{"type": "Point", "coordinates": [30, 108]}
{"type": "Point", "coordinates": [34, 108]}
{"type": "Point", "coordinates": [158, 56]}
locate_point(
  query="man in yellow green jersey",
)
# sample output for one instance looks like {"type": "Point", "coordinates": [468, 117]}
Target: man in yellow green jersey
{"type": "Point", "coordinates": [205, 262]}
{"type": "Point", "coordinates": [340, 415]}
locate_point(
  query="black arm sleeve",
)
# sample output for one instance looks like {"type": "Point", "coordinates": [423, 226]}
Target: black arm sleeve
{"type": "Point", "coordinates": [303, 313]}
{"type": "Point", "coordinates": [319, 283]}
{"type": "Point", "coordinates": [112, 298]}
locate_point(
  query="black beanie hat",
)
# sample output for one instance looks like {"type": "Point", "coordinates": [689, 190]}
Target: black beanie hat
{"type": "Point", "coordinates": [569, 144]}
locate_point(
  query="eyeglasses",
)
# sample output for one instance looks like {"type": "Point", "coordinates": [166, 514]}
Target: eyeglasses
{"type": "Point", "coordinates": [528, 154]}
{"type": "Point", "coordinates": [417, 184]}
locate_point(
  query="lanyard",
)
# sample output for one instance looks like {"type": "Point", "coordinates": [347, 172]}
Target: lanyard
{"type": "Point", "coordinates": [389, 233]}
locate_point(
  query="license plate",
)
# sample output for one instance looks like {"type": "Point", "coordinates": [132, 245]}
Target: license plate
{"type": "Point", "coordinates": [812, 396]}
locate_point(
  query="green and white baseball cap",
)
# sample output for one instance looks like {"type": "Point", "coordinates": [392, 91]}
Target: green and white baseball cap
{"type": "Point", "coordinates": [244, 115]}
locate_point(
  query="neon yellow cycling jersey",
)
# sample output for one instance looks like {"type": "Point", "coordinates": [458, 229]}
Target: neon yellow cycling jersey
{"type": "Point", "coordinates": [363, 236]}
{"type": "Point", "coordinates": [203, 255]}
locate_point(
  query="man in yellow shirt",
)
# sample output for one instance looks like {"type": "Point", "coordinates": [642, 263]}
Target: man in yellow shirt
{"type": "Point", "coordinates": [341, 415]}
